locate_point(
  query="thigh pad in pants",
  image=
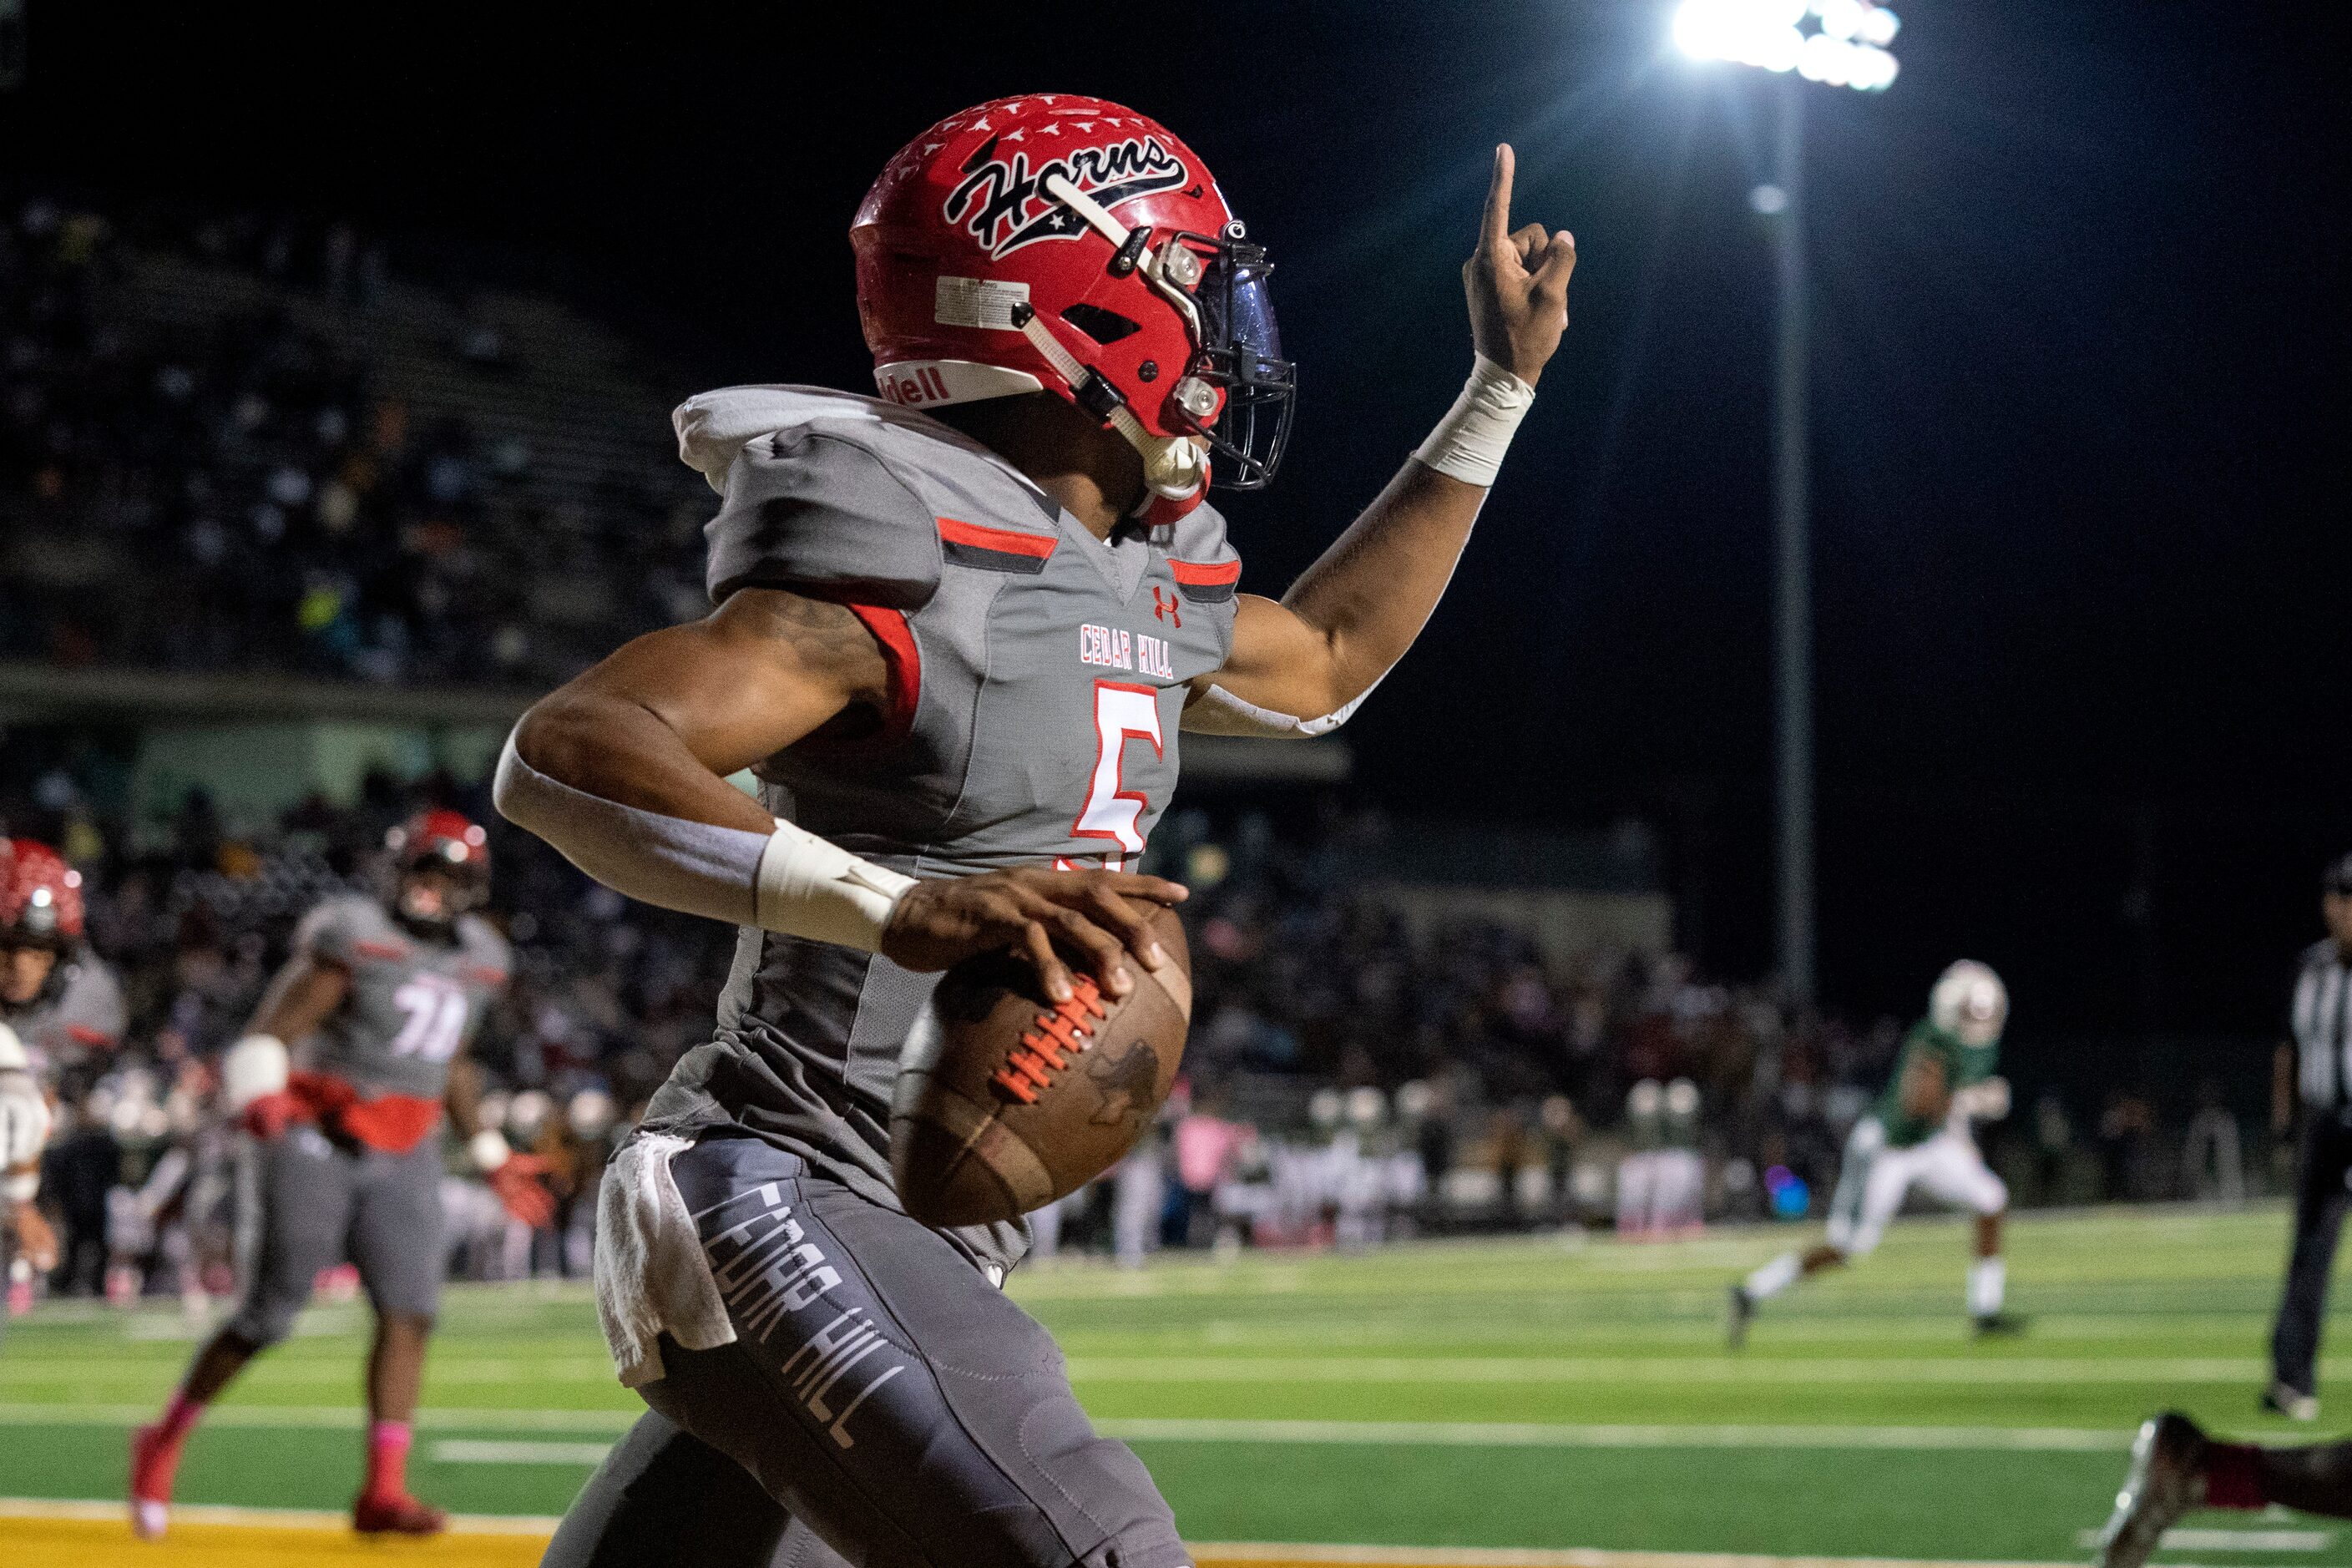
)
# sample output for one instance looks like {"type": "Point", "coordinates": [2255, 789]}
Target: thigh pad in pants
{"type": "Point", "coordinates": [307, 1188]}
{"type": "Point", "coordinates": [885, 1392]}
{"type": "Point", "coordinates": [396, 1224]}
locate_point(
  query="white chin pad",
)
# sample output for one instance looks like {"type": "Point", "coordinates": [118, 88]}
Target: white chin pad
{"type": "Point", "coordinates": [255, 1065]}
{"type": "Point", "coordinates": [1172, 467]}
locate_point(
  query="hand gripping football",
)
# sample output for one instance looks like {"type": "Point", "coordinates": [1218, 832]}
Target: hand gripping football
{"type": "Point", "coordinates": [1005, 1102]}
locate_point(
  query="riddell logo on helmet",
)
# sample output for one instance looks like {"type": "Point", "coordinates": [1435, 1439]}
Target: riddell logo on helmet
{"type": "Point", "coordinates": [1003, 204]}
{"type": "Point", "coordinates": [909, 384]}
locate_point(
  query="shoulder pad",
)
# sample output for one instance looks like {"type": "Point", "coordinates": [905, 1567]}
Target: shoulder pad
{"type": "Point", "coordinates": [814, 506]}
{"type": "Point", "coordinates": [342, 930]}
{"type": "Point", "coordinates": [485, 941]}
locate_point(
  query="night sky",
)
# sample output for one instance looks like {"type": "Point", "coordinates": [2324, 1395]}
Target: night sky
{"type": "Point", "coordinates": [2080, 354]}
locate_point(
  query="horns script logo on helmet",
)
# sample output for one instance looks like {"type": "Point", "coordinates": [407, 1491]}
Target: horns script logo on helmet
{"type": "Point", "coordinates": [1002, 205]}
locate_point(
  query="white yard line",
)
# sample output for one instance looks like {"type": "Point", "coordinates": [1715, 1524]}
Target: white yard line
{"type": "Point", "coordinates": [2224, 1539]}
{"type": "Point", "coordinates": [442, 1418]}
{"type": "Point", "coordinates": [1217, 1554]}
{"type": "Point", "coordinates": [1726, 1369]}
{"type": "Point", "coordinates": [1533, 1434]}
{"type": "Point", "coordinates": [501, 1451]}
{"type": "Point", "coordinates": [2007, 1368]}
{"type": "Point", "coordinates": [1433, 1434]}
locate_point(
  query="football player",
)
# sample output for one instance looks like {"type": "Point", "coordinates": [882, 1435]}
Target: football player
{"type": "Point", "coordinates": [1918, 1136]}
{"type": "Point", "coordinates": [380, 996]}
{"type": "Point", "coordinates": [61, 998]}
{"type": "Point", "coordinates": [25, 1234]}
{"type": "Point", "coordinates": [2176, 1468]}
{"type": "Point", "coordinates": [959, 632]}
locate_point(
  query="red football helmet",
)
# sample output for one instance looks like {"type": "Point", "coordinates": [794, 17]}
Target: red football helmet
{"type": "Point", "coordinates": [446, 841]}
{"type": "Point", "coordinates": [40, 896]}
{"type": "Point", "coordinates": [1069, 245]}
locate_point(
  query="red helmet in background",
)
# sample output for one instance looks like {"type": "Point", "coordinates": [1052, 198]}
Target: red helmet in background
{"type": "Point", "coordinates": [40, 896]}
{"type": "Point", "coordinates": [1067, 244]}
{"type": "Point", "coordinates": [444, 841]}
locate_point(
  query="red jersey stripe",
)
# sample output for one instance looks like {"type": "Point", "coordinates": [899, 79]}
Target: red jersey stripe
{"type": "Point", "coordinates": [1035, 545]}
{"type": "Point", "coordinates": [1199, 574]}
{"type": "Point", "coordinates": [903, 657]}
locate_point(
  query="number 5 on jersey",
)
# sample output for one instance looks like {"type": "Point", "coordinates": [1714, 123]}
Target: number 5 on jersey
{"type": "Point", "coordinates": [1123, 711]}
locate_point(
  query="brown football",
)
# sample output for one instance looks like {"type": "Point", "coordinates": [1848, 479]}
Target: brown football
{"type": "Point", "coordinates": [1010, 1102]}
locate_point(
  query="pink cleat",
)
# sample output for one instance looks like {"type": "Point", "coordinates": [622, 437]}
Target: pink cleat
{"type": "Point", "coordinates": [154, 1461]}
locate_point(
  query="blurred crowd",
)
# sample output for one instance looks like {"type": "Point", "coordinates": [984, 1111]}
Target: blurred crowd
{"type": "Point", "coordinates": [237, 490]}
{"type": "Point", "coordinates": [1347, 1079]}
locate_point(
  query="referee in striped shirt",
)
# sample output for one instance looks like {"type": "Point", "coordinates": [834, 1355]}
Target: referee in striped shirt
{"type": "Point", "coordinates": [2318, 1066]}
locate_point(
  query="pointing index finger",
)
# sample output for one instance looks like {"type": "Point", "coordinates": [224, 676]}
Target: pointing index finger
{"type": "Point", "coordinates": [1498, 221]}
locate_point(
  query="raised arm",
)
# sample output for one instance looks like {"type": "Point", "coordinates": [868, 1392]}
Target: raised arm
{"type": "Point", "coordinates": [624, 771]}
{"type": "Point", "coordinates": [1301, 666]}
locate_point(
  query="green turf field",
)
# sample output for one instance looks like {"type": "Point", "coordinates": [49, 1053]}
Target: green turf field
{"type": "Point", "coordinates": [1522, 1393]}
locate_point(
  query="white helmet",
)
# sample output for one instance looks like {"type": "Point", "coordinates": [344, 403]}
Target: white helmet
{"type": "Point", "coordinates": [1970, 1003]}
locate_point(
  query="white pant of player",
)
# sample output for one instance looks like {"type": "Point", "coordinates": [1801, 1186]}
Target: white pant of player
{"type": "Point", "coordinates": [1660, 1191]}
{"type": "Point", "coordinates": [1874, 1179]}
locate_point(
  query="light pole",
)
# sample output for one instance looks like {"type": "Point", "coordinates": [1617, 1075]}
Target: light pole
{"type": "Point", "coordinates": [1842, 43]}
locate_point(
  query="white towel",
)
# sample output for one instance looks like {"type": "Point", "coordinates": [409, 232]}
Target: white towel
{"type": "Point", "coordinates": [651, 1276]}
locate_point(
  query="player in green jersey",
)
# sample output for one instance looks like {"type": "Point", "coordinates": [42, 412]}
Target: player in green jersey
{"type": "Point", "coordinates": [1918, 1135]}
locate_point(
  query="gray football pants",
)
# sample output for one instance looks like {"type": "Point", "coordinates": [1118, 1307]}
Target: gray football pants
{"type": "Point", "coordinates": [884, 1405]}
{"type": "Point", "coordinates": [321, 1204]}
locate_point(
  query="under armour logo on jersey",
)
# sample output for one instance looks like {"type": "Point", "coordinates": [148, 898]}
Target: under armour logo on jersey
{"type": "Point", "coordinates": [1166, 607]}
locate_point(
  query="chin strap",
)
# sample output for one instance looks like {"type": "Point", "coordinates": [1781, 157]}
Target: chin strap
{"type": "Point", "coordinates": [1174, 468]}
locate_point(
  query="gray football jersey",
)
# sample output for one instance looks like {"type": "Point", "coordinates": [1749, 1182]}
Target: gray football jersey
{"type": "Point", "coordinates": [1038, 679]}
{"type": "Point", "coordinates": [414, 1003]}
{"type": "Point", "coordinates": [77, 1014]}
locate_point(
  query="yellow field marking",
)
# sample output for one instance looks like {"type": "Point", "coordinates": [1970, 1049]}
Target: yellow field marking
{"type": "Point", "coordinates": [93, 1535]}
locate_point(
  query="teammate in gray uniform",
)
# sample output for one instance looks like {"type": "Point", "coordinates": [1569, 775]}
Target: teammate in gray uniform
{"type": "Point", "coordinates": [383, 1000]}
{"type": "Point", "coordinates": [59, 997]}
{"type": "Point", "coordinates": [958, 632]}
{"type": "Point", "coordinates": [60, 1009]}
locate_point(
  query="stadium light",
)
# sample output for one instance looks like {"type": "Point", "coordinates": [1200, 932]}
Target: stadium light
{"type": "Point", "coordinates": [1838, 43]}
{"type": "Point", "coordinates": [1842, 43]}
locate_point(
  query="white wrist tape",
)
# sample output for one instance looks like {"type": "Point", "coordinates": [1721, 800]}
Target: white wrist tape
{"type": "Point", "coordinates": [22, 1187]}
{"type": "Point", "coordinates": [255, 1065]}
{"type": "Point", "coordinates": [1219, 712]}
{"type": "Point", "coordinates": [1469, 442]}
{"type": "Point", "coordinates": [489, 1150]}
{"type": "Point", "coordinates": [813, 888]}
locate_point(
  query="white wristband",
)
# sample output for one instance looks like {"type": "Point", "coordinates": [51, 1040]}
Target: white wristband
{"type": "Point", "coordinates": [21, 1187]}
{"type": "Point", "coordinates": [489, 1150]}
{"type": "Point", "coordinates": [813, 887]}
{"type": "Point", "coordinates": [255, 1065]}
{"type": "Point", "coordinates": [1469, 442]}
